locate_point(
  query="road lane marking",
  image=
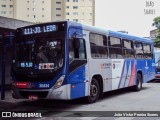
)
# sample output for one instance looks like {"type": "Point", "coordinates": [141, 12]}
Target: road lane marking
{"type": "Point", "coordinates": [88, 118]}
{"type": "Point", "coordinates": [63, 114]}
{"type": "Point", "coordinates": [125, 118]}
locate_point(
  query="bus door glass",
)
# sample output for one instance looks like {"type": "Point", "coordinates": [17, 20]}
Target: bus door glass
{"type": "Point", "coordinates": [148, 59]}
{"type": "Point", "coordinates": [77, 59]}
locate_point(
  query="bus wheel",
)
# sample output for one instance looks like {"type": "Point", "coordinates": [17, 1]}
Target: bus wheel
{"type": "Point", "coordinates": [138, 85]}
{"type": "Point", "coordinates": [94, 91]}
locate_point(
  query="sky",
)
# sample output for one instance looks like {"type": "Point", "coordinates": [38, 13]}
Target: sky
{"type": "Point", "coordinates": [127, 15]}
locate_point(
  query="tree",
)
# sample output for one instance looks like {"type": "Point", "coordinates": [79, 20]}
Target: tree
{"type": "Point", "coordinates": [156, 23]}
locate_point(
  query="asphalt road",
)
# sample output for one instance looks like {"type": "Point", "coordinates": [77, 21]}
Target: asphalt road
{"type": "Point", "coordinates": [148, 99]}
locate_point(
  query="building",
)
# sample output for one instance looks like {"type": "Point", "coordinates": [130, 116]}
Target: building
{"type": "Point", "coordinates": [154, 33]}
{"type": "Point", "coordinates": [74, 10]}
{"type": "Point", "coordinates": [123, 31]}
{"type": "Point", "coordinates": [6, 8]}
{"type": "Point", "coordinates": [32, 10]}
{"type": "Point", "coordinates": [49, 10]}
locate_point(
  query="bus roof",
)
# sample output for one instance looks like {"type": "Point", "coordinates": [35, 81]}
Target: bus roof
{"type": "Point", "coordinates": [109, 32]}
{"type": "Point", "coordinates": [130, 37]}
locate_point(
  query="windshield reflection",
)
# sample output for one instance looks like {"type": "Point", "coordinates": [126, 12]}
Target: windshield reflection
{"type": "Point", "coordinates": [45, 53]}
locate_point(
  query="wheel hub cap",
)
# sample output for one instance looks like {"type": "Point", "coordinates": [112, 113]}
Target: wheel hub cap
{"type": "Point", "coordinates": [93, 90]}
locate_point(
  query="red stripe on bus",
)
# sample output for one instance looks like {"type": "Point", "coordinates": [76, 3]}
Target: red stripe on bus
{"type": "Point", "coordinates": [133, 75]}
{"type": "Point", "coordinates": [22, 84]}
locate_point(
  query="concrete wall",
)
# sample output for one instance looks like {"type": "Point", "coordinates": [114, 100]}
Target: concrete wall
{"type": "Point", "coordinates": [12, 23]}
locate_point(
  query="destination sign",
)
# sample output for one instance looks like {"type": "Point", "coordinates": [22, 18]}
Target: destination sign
{"type": "Point", "coordinates": [40, 29]}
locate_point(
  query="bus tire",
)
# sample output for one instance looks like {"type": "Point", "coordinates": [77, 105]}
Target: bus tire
{"type": "Point", "coordinates": [94, 91]}
{"type": "Point", "coordinates": [138, 85]}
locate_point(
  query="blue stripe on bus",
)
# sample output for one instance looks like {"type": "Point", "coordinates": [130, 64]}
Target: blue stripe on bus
{"type": "Point", "coordinates": [127, 73]}
{"type": "Point", "coordinates": [76, 79]}
{"type": "Point", "coordinates": [128, 62]}
{"type": "Point", "coordinates": [78, 90]}
{"type": "Point", "coordinates": [122, 72]}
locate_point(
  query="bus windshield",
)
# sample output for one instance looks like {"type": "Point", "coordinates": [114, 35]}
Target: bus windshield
{"type": "Point", "coordinates": [37, 55]}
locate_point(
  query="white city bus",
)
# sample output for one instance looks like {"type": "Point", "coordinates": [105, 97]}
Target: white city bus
{"type": "Point", "coordinates": [68, 60]}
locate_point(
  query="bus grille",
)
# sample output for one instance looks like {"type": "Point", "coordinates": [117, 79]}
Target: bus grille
{"type": "Point", "coordinates": [40, 94]}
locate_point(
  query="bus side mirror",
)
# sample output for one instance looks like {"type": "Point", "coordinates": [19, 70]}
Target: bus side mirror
{"type": "Point", "coordinates": [76, 43]}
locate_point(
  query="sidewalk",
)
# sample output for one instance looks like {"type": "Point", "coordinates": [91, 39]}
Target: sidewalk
{"type": "Point", "coordinates": [7, 87]}
{"type": "Point", "coordinates": [9, 102]}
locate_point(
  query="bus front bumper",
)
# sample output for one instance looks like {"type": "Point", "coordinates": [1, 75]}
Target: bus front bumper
{"type": "Point", "coordinates": [157, 76]}
{"type": "Point", "coordinates": [61, 93]}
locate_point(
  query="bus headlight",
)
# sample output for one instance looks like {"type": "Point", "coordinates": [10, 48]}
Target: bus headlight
{"type": "Point", "coordinates": [59, 82]}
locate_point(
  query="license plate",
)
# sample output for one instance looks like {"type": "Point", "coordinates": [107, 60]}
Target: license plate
{"type": "Point", "coordinates": [32, 97]}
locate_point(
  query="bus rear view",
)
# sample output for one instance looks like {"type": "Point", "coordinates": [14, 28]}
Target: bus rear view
{"type": "Point", "coordinates": [38, 61]}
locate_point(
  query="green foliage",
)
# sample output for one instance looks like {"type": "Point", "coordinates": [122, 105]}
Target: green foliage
{"type": "Point", "coordinates": [157, 42]}
{"type": "Point", "coordinates": [156, 23]}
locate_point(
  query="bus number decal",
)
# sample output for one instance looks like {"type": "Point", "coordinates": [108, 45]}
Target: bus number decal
{"type": "Point", "coordinates": [26, 64]}
{"type": "Point", "coordinates": [43, 85]}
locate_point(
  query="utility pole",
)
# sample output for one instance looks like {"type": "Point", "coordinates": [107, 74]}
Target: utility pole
{"type": "Point", "coordinates": [3, 62]}
{"type": "Point", "coordinates": [6, 41]}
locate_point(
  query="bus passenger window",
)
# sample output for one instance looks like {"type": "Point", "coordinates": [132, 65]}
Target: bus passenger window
{"type": "Point", "coordinates": [139, 50]}
{"type": "Point", "coordinates": [115, 48]}
{"type": "Point", "coordinates": [147, 51]}
{"type": "Point", "coordinates": [115, 53]}
{"type": "Point", "coordinates": [98, 44]}
{"type": "Point", "coordinates": [128, 51]}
